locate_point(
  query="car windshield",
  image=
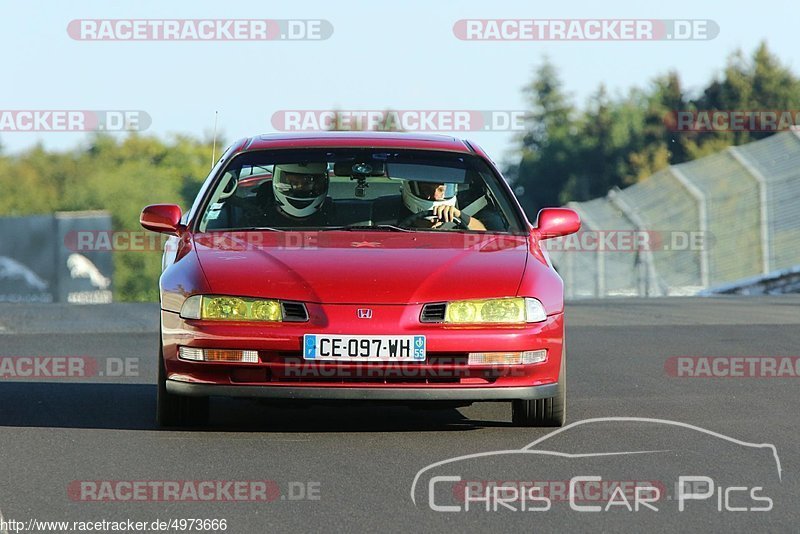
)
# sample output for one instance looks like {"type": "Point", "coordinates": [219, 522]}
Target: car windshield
{"type": "Point", "coordinates": [363, 189]}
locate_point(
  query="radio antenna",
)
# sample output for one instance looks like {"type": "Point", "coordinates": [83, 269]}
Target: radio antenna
{"type": "Point", "coordinates": [214, 144]}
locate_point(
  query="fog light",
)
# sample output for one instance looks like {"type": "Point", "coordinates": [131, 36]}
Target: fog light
{"type": "Point", "coordinates": [235, 356]}
{"type": "Point", "coordinates": [218, 355]}
{"type": "Point", "coordinates": [189, 353]}
{"type": "Point", "coordinates": [507, 358]}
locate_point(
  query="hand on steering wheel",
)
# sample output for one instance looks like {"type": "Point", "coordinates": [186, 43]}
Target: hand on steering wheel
{"type": "Point", "coordinates": [441, 216]}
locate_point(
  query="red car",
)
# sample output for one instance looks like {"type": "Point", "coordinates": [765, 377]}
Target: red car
{"type": "Point", "coordinates": [359, 266]}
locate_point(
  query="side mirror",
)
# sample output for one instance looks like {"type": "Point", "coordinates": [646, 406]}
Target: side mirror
{"type": "Point", "coordinates": [162, 218]}
{"type": "Point", "coordinates": [556, 222]}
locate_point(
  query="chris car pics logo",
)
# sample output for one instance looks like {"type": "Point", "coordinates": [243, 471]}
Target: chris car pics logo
{"type": "Point", "coordinates": [610, 472]}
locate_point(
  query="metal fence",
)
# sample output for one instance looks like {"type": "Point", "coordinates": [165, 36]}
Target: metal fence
{"type": "Point", "coordinates": [712, 221]}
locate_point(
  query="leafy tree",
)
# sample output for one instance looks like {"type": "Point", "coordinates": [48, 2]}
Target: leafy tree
{"type": "Point", "coordinates": [548, 144]}
{"type": "Point", "coordinates": [759, 84]}
{"type": "Point", "coordinates": [657, 144]}
{"type": "Point", "coordinates": [578, 154]}
{"type": "Point", "coordinates": [118, 176]}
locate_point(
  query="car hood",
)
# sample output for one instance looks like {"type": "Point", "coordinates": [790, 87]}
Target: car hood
{"type": "Point", "coordinates": [345, 267]}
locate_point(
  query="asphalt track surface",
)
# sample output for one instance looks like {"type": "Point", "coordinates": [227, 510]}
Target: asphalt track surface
{"type": "Point", "coordinates": [355, 468]}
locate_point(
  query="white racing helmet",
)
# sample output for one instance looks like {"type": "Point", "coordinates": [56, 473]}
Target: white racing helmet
{"type": "Point", "coordinates": [417, 201]}
{"type": "Point", "coordinates": [300, 188]}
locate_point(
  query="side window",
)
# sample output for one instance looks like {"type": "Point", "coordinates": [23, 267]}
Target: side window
{"type": "Point", "coordinates": [492, 215]}
{"type": "Point", "coordinates": [216, 212]}
{"type": "Point", "coordinates": [203, 189]}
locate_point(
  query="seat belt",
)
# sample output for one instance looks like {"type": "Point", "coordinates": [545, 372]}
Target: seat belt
{"type": "Point", "coordinates": [476, 206]}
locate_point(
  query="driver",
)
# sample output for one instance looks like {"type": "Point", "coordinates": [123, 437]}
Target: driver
{"type": "Point", "coordinates": [440, 199]}
{"type": "Point", "coordinates": [298, 196]}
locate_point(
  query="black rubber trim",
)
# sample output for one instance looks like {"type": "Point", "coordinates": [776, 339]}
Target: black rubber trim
{"type": "Point", "coordinates": [361, 393]}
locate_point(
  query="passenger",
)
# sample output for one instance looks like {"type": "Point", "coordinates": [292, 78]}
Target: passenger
{"type": "Point", "coordinates": [439, 199]}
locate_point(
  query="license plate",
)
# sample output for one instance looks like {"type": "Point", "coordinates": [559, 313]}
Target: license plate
{"type": "Point", "coordinates": [364, 348]}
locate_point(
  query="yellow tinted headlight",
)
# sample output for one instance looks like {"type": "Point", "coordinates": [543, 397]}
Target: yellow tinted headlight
{"type": "Point", "coordinates": [230, 308]}
{"type": "Point", "coordinates": [506, 311]}
{"type": "Point", "coordinates": [503, 311]}
{"type": "Point", "coordinates": [461, 312]}
{"type": "Point", "coordinates": [266, 310]}
{"type": "Point", "coordinates": [221, 308]}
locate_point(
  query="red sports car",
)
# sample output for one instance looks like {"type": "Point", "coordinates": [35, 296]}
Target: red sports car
{"type": "Point", "coordinates": [359, 266]}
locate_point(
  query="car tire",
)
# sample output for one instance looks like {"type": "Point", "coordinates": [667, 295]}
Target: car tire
{"type": "Point", "coordinates": [549, 412]}
{"type": "Point", "coordinates": [178, 410]}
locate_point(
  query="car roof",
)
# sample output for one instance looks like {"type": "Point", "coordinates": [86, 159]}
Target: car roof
{"type": "Point", "coordinates": [357, 139]}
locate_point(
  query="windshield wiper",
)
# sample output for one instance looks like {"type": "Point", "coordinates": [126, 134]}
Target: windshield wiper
{"type": "Point", "coordinates": [252, 229]}
{"type": "Point", "coordinates": [378, 227]}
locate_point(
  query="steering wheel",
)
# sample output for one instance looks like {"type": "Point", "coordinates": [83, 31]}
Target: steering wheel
{"type": "Point", "coordinates": [414, 217]}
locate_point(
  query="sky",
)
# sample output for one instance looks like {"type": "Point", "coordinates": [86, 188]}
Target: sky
{"type": "Point", "coordinates": [380, 55]}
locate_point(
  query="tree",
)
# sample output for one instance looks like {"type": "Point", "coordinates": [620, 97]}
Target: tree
{"type": "Point", "coordinates": [546, 161]}
{"type": "Point", "coordinates": [118, 176]}
{"type": "Point", "coordinates": [760, 84]}
{"type": "Point", "coordinates": [657, 144]}
{"type": "Point", "coordinates": [568, 154]}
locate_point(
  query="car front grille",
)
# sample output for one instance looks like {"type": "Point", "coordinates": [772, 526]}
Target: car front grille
{"type": "Point", "coordinates": [433, 313]}
{"type": "Point", "coordinates": [294, 312]}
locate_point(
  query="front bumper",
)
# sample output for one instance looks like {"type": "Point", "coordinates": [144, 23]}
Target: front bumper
{"type": "Point", "coordinates": [363, 393]}
{"type": "Point", "coordinates": [281, 371]}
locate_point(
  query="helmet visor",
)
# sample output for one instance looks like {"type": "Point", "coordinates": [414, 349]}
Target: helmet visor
{"type": "Point", "coordinates": [300, 185]}
{"type": "Point", "coordinates": [433, 191]}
